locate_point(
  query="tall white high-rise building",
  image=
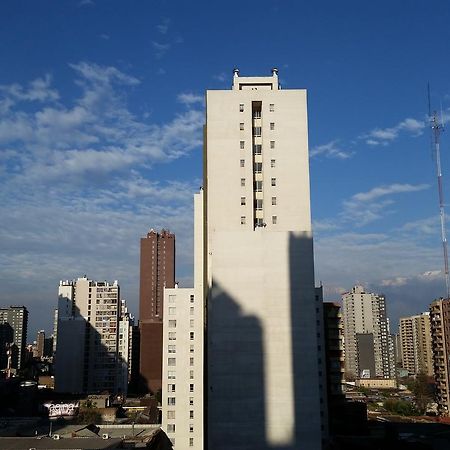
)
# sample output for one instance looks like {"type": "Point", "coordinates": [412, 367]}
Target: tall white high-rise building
{"type": "Point", "coordinates": [369, 348]}
{"type": "Point", "coordinates": [262, 365]}
{"type": "Point", "coordinates": [87, 352]}
{"type": "Point", "coordinates": [183, 352]}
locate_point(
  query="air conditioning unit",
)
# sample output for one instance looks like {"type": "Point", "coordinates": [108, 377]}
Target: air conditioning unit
{"type": "Point", "coordinates": [56, 437]}
{"type": "Point", "coordinates": [105, 436]}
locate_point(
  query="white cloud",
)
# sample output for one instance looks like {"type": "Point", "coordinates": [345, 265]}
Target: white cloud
{"type": "Point", "coordinates": [330, 150]}
{"type": "Point", "coordinates": [382, 191]}
{"type": "Point", "coordinates": [163, 27]}
{"type": "Point", "coordinates": [383, 136]}
{"type": "Point", "coordinates": [160, 48]}
{"type": "Point", "coordinates": [221, 77]}
{"type": "Point", "coordinates": [188, 98]}
{"type": "Point", "coordinates": [38, 90]}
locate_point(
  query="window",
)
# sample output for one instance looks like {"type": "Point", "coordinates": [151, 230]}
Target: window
{"type": "Point", "coordinates": [191, 348]}
{"type": "Point", "coordinates": [171, 375]}
{"type": "Point", "coordinates": [172, 311]}
{"type": "Point", "coordinates": [191, 298]}
{"type": "Point", "coordinates": [272, 126]}
{"type": "Point", "coordinates": [257, 167]}
{"type": "Point", "coordinates": [171, 414]}
{"type": "Point", "coordinates": [191, 310]}
{"type": "Point", "coordinates": [274, 181]}
{"type": "Point", "coordinates": [256, 131]}
{"type": "Point", "coordinates": [170, 388]}
{"type": "Point", "coordinates": [241, 126]}
{"type": "Point", "coordinates": [191, 323]}
{"type": "Point", "coordinates": [271, 107]}
{"type": "Point", "coordinates": [242, 144]}
{"type": "Point", "coordinates": [242, 201]}
{"type": "Point", "coordinates": [191, 374]}
{"type": "Point", "coordinates": [242, 220]}
{"type": "Point", "coordinates": [172, 298]}
{"type": "Point", "coordinates": [242, 163]}
{"type": "Point", "coordinates": [258, 186]}
{"type": "Point", "coordinates": [191, 428]}
{"type": "Point", "coordinates": [191, 414]}
{"type": "Point", "coordinates": [172, 323]}
{"type": "Point", "coordinates": [272, 144]}
{"type": "Point", "coordinates": [191, 387]}
{"type": "Point", "coordinates": [191, 361]}
{"type": "Point", "coordinates": [258, 204]}
{"type": "Point", "coordinates": [242, 182]}
{"type": "Point", "coordinates": [171, 361]}
{"type": "Point", "coordinates": [171, 401]}
{"type": "Point", "coordinates": [274, 201]}
{"type": "Point", "coordinates": [172, 335]}
{"type": "Point", "coordinates": [257, 114]}
{"type": "Point", "coordinates": [274, 220]}
{"type": "Point", "coordinates": [191, 442]}
{"type": "Point", "coordinates": [171, 348]}
{"type": "Point", "coordinates": [272, 163]}
{"type": "Point", "coordinates": [171, 428]}
{"type": "Point", "coordinates": [241, 107]}
{"type": "Point", "coordinates": [191, 401]}
{"type": "Point", "coordinates": [257, 149]}
{"type": "Point", "coordinates": [191, 335]}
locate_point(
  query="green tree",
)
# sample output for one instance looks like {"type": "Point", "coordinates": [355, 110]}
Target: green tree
{"type": "Point", "coordinates": [423, 391]}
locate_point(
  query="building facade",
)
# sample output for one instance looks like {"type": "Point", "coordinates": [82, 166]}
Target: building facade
{"type": "Point", "coordinates": [263, 388]}
{"type": "Point", "coordinates": [157, 271]}
{"type": "Point", "coordinates": [369, 348]}
{"type": "Point", "coordinates": [415, 341]}
{"type": "Point", "coordinates": [13, 336]}
{"type": "Point", "coordinates": [87, 354]}
{"type": "Point", "coordinates": [440, 343]}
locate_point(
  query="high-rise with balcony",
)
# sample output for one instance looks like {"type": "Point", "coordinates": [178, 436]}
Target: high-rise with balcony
{"type": "Point", "coordinates": [369, 348]}
{"type": "Point", "coordinates": [415, 341]}
{"type": "Point", "coordinates": [157, 271]}
{"type": "Point", "coordinates": [87, 353]}
{"type": "Point", "coordinates": [440, 342]}
{"type": "Point", "coordinates": [262, 365]}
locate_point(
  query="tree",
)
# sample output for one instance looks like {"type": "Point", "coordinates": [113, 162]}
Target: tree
{"type": "Point", "coordinates": [423, 391]}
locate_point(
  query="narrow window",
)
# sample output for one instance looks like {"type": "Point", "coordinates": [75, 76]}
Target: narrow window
{"type": "Point", "coordinates": [171, 401]}
{"type": "Point", "coordinates": [191, 323]}
{"type": "Point", "coordinates": [272, 163]}
{"type": "Point", "coordinates": [241, 126]}
{"type": "Point", "coordinates": [241, 107]}
{"type": "Point", "coordinates": [191, 335]}
{"type": "Point", "coordinates": [171, 361]}
{"type": "Point", "coordinates": [191, 374]}
{"type": "Point", "coordinates": [271, 107]}
{"type": "Point", "coordinates": [172, 311]}
{"type": "Point", "coordinates": [191, 387]}
{"type": "Point", "coordinates": [170, 388]}
{"type": "Point", "coordinates": [272, 126]}
{"type": "Point", "coordinates": [191, 414]}
{"type": "Point", "coordinates": [191, 361]}
{"type": "Point", "coordinates": [192, 298]}
{"type": "Point", "coordinates": [242, 220]}
{"type": "Point", "coordinates": [272, 144]}
{"type": "Point", "coordinates": [171, 414]}
{"type": "Point", "coordinates": [242, 162]}
{"type": "Point", "coordinates": [257, 131]}
{"type": "Point", "coordinates": [191, 310]}
{"type": "Point", "coordinates": [274, 220]}
{"type": "Point", "coordinates": [257, 167]}
{"type": "Point", "coordinates": [171, 428]}
{"type": "Point", "coordinates": [274, 201]}
{"type": "Point", "coordinates": [257, 149]}
{"type": "Point", "coordinates": [191, 442]}
{"type": "Point", "coordinates": [258, 204]}
{"type": "Point", "coordinates": [242, 201]}
{"type": "Point", "coordinates": [242, 182]}
{"type": "Point", "coordinates": [274, 181]}
{"type": "Point", "coordinates": [191, 401]}
{"type": "Point", "coordinates": [172, 323]}
{"type": "Point", "coordinates": [258, 186]}
{"type": "Point", "coordinates": [242, 144]}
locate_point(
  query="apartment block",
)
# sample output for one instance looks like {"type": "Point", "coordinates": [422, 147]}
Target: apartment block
{"type": "Point", "coordinates": [262, 363]}
{"type": "Point", "coordinates": [369, 348]}
{"type": "Point", "coordinates": [183, 352]}
{"type": "Point", "coordinates": [87, 353]}
{"type": "Point", "coordinates": [415, 340]}
{"type": "Point", "coordinates": [440, 343]}
{"type": "Point", "coordinates": [13, 336]}
{"type": "Point", "coordinates": [157, 271]}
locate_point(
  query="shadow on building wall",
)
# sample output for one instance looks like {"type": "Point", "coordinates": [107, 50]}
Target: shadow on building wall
{"type": "Point", "coordinates": [241, 420]}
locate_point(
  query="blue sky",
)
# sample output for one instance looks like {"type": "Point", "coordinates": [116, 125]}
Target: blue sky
{"type": "Point", "coordinates": [101, 112]}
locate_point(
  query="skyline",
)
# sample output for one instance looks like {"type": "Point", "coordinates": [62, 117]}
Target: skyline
{"type": "Point", "coordinates": [101, 115]}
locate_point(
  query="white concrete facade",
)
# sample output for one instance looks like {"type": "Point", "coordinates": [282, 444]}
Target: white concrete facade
{"type": "Point", "coordinates": [262, 334]}
{"type": "Point", "coordinates": [183, 352]}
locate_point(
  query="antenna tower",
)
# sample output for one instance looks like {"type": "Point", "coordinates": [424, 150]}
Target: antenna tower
{"type": "Point", "coordinates": [437, 127]}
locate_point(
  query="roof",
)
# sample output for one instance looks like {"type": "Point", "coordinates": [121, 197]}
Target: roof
{"type": "Point", "coordinates": [20, 443]}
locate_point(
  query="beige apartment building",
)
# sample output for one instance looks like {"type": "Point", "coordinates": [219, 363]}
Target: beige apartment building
{"type": "Point", "coordinates": [415, 341]}
{"type": "Point", "coordinates": [368, 345]}
{"type": "Point", "coordinates": [440, 342]}
{"type": "Point", "coordinates": [263, 376]}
